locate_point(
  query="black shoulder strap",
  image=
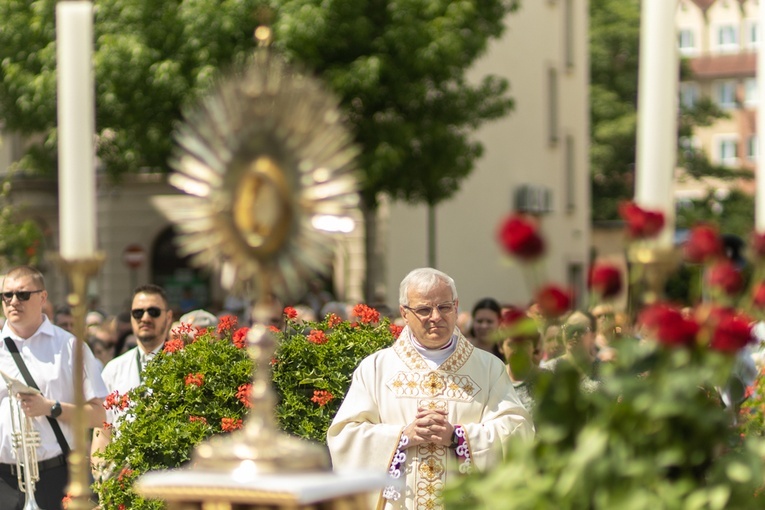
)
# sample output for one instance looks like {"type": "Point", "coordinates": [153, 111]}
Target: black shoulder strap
{"type": "Point", "coordinates": [11, 345]}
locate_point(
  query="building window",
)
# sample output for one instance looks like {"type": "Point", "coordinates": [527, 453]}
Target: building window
{"type": "Point", "coordinates": [552, 105]}
{"type": "Point", "coordinates": [570, 177]}
{"type": "Point", "coordinates": [725, 93]}
{"type": "Point", "coordinates": [752, 150]}
{"type": "Point", "coordinates": [752, 34]}
{"type": "Point", "coordinates": [686, 42]}
{"type": "Point", "coordinates": [727, 38]}
{"type": "Point", "coordinates": [750, 91]}
{"type": "Point", "coordinates": [689, 94]}
{"type": "Point", "coordinates": [568, 20]}
{"type": "Point", "coordinates": [727, 150]}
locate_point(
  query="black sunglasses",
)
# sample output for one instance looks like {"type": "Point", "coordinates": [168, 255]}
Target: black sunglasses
{"type": "Point", "coordinates": [153, 312]}
{"type": "Point", "coordinates": [22, 295]}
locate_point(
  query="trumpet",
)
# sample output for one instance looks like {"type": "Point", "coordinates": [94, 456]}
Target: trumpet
{"type": "Point", "coordinates": [26, 439]}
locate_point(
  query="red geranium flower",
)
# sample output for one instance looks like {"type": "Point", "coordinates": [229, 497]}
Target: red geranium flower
{"type": "Point", "coordinates": [243, 394]}
{"type": "Point", "coordinates": [322, 397]}
{"type": "Point", "coordinates": [333, 320]}
{"type": "Point", "coordinates": [227, 323]}
{"type": "Point", "coordinates": [239, 337]}
{"type": "Point", "coordinates": [274, 329]}
{"type": "Point", "coordinates": [605, 280]}
{"type": "Point", "coordinates": [201, 419]}
{"type": "Point", "coordinates": [520, 238]}
{"type": "Point", "coordinates": [553, 301]}
{"type": "Point", "coordinates": [230, 424]}
{"type": "Point", "coordinates": [641, 223]}
{"type": "Point", "coordinates": [173, 345]}
{"type": "Point", "coordinates": [395, 330]}
{"type": "Point", "coordinates": [703, 244]}
{"type": "Point", "coordinates": [731, 333]}
{"type": "Point", "coordinates": [290, 312]}
{"type": "Point", "coordinates": [366, 314]}
{"type": "Point", "coordinates": [196, 379]}
{"type": "Point", "coordinates": [317, 336]}
{"type": "Point", "coordinates": [724, 276]}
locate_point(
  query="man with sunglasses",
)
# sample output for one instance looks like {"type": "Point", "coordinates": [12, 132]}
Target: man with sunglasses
{"type": "Point", "coordinates": [151, 319]}
{"type": "Point", "coordinates": [41, 355]}
{"type": "Point", "coordinates": [429, 406]}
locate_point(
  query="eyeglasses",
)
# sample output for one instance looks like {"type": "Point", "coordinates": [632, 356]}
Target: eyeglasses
{"type": "Point", "coordinates": [424, 312]}
{"type": "Point", "coordinates": [153, 312]}
{"type": "Point", "coordinates": [22, 295]}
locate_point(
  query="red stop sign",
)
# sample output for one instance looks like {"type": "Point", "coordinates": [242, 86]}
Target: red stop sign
{"type": "Point", "coordinates": [133, 256]}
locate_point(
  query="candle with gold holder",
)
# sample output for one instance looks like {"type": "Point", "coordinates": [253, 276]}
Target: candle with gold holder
{"type": "Point", "coordinates": [650, 267]}
{"type": "Point", "coordinates": [79, 272]}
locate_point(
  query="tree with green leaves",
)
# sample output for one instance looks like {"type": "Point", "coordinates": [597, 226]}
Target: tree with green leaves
{"type": "Point", "coordinates": [399, 67]}
{"type": "Point", "coordinates": [614, 53]}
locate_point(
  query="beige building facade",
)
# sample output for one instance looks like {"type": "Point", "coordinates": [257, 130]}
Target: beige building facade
{"type": "Point", "coordinates": [535, 159]}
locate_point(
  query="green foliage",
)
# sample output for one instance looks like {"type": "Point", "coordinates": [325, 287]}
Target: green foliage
{"type": "Point", "coordinates": [169, 413]}
{"type": "Point", "coordinates": [614, 52]}
{"type": "Point", "coordinates": [302, 369]}
{"type": "Point", "coordinates": [399, 68]}
{"type": "Point", "coordinates": [653, 435]}
{"type": "Point", "coordinates": [157, 431]}
{"type": "Point", "coordinates": [21, 240]}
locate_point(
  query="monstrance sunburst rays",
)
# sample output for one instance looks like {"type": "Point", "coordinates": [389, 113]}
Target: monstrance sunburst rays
{"type": "Point", "coordinates": [263, 155]}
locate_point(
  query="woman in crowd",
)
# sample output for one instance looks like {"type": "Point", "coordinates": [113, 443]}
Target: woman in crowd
{"type": "Point", "coordinates": [485, 321]}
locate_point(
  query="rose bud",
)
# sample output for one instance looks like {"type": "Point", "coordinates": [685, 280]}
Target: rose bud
{"type": "Point", "coordinates": [703, 244]}
{"type": "Point", "coordinates": [758, 295]}
{"type": "Point", "coordinates": [605, 280]}
{"type": "Point", "coordinates": [732, 333]}
{"type": "Point", "coordinates": [724, 276]}
{"type": "Point", "coordinates": [668, 325]}
{"type": "Point", "coordinates": [519, 237]}
{"type": "Point", "coordinates": [641, 223]}
{"type": "Point", "coordinates": [553, 301]}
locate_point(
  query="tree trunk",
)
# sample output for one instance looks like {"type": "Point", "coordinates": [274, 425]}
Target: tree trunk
{"type": "Point", "coordinates": [372, 256]}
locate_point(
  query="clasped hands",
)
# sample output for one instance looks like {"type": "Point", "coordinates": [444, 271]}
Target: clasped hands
{"type": "Point", "coordinates": [429, 426]}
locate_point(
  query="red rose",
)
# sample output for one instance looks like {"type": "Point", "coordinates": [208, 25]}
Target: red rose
{"type": "Point", "coordinates": [553, 301]}
{"type": "Point", "coordinates": [511, 315]}
{"type": "Point", "coordinates": [668, 325]}
{"type": "Point", "coordinates": [641, 223]}
{"type": "Point", "coordinates": [758, 295]}
{"type": "Point", "coordinates": [605, 280]}
{"type": "Point", "coordinates": [758, 244]}
{"type": "Point", "coordinates": [519, 237]}
{"type": "Point", "coordinates": [731, 333]}
{"type": "Point", "coordinates": [724, 275]}
{"type": "Point", "coordinates": [703, 244]}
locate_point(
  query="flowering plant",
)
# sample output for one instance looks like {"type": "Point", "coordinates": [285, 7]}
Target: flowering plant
{"type": "Point", "coordinates": [313, 366]}
{"type": "Point", "coordinates": [654, 432]}
{"type": "Point", "coordinates": [199, 385]}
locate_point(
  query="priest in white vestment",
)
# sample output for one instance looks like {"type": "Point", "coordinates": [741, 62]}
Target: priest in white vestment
{"type": "Point", "coordinates": [429, 407]}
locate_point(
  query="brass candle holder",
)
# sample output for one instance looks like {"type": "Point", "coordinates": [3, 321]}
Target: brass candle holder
{"type": "Point", "coordinates": [650, 265]}
{"type": "Point", "coordinates": [79, 273]}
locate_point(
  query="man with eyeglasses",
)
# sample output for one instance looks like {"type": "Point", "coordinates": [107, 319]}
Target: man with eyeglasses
{"type": "Point", "coordinates": [429, 406]}
{"type": "Point", "coordinates": [39, 354]}
{"type": "Point", "coordinates": [151, 319]}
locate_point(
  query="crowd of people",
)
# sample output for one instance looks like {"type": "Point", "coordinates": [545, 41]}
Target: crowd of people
{"type": "Point", "coordinates": [448, 396]}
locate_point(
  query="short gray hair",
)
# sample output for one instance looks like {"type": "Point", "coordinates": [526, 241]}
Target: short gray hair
{"type": "Point", "coordinates": [424, 278]}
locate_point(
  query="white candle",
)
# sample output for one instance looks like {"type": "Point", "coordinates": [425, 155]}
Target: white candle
{"type": "Point", "coordinates": [76, 121]}
{"type": "Point", "coordinates": [657, 112]}
{"type": "Point", "coordinates": [759, 196]}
